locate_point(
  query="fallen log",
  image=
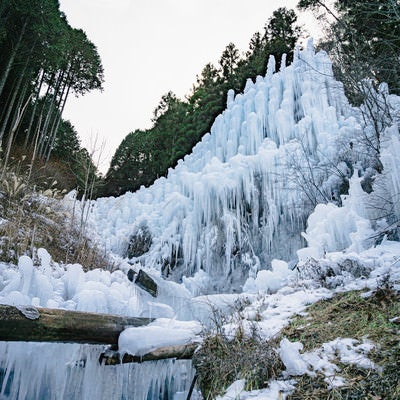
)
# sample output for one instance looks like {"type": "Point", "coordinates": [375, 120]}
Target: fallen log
{"type": "Point", "coordinates": [179, 352]}
{"type": "Point", "coordinates": [31, 324]}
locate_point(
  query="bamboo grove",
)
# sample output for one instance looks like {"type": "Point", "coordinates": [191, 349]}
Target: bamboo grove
{"type": "Point", "coordinates": [43, 60]}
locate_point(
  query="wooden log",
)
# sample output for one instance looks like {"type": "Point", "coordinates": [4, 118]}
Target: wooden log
{"type": "Point", "coordinates": [28, 324]}
{"type": "Point", "coordinates": [179, 352]}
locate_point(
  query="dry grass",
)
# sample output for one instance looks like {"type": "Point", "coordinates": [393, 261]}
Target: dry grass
{"type": "Point", "coordinates": [223, 359]}
{"type": "Point", "coordinates": [32, 218]}
{"type": "Point", "coordinates": [350, 315]}
{"type": "Point", "coordinates": [347, 315]}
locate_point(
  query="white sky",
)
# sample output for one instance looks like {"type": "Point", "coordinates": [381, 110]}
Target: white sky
{"type": "Point", "coordinates": [149, 47]}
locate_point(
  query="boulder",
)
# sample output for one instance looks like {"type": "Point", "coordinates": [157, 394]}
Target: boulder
{"type": "Point", "coordinates": [140, 242]}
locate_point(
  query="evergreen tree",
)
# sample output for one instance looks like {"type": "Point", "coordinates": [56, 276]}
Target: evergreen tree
{"type": "Point", "coordinates": [282, 33]}
{"type": "Point", "coordinates": [229, 62]}
{"type": "Point", "coordinates": [363, 40]}
{"type": "Point", "coordinates": [42, 61]}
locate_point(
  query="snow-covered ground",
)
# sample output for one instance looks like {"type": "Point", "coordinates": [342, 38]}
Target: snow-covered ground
{"type": "Point", "coordinates": [278, 308]}
{"type": "Point", "coordinates": [240, 215]}
{"type": "Point", "coordinates": [274, 296]}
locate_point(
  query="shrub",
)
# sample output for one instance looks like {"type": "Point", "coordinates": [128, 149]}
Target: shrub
{"type": "Point", "coordinates": [33, 218]}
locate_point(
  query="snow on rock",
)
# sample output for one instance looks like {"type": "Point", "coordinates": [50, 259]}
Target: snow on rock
{"type": "Point", "coordinates": [289, 353]}
{"type": "Point", "coordinates": [162, 332]}
{"type": "Point", "coordinates": [270, 281]}
{"type": "Point", "coordinates": [234, 390]}
{"type": "Point", "coordinates": [351, 352]}
{"type": "Point", "coordinates": [331, 228]}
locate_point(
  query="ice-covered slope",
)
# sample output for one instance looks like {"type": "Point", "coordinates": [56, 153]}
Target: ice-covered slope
{"type": "Point", "coordinates": [242, 197]}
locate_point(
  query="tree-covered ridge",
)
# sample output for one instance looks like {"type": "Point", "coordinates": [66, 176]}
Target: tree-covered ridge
{"type": "Point", "coordinates": [361, 37]}
{"type": "Point", "coordinates": [43, 60]}
{"type": "Point", "coordinates": [178, 124]}
{"type": "Point", "coordinates": [363, 41]}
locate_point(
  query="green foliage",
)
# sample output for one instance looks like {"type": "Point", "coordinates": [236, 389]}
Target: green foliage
{"type": "Point", "coordinates": [363, 39]}
{"type": "Point", "coordinates": [144, 156]}
{"type": "Point", "coordinates": [131, 166]}
{"type": "Point", "coordinates": [42, 61]}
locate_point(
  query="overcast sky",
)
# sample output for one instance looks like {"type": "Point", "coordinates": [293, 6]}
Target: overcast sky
{"type": "Point", "coordinates": [149, 47]}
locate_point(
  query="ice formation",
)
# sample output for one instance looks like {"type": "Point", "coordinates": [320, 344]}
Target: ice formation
{"type": "Point", "coordinates": [242, 197]}
{"type": "Point", "coordinates": [43, 371]}
{"type": "Point", "coordinates": [230, 214]}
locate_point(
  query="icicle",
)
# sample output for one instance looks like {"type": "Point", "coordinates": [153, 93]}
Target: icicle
{"type": "Point", "coordinates": [283, 62]}
{"type": "Point", "coordinates": [69, 371]}
{"type": "Point", "coordinates": [230, 98]}
{"type": "Point", "coordinates": [296, 55]}
{"type": "Point", "coordinates": [271, 66]}
{"type": "Point", "coordinates": [244, 178]}
{"type": "Point", "coordinates": [310, 45]}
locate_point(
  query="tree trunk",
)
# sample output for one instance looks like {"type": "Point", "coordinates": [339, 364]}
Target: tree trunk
{"type": "Point", "coordinates": [56, 123]}
{"type": "Point", "coordinates": [33, 113]}
{"type": "Point", "coordinates": [180, 352]}
{"type": "Point", "coordinates": [12, 58]}
{"type": "Point", "coordinates": [38, 128]}
{"type": "Point", "coordinates": [36, 139]}
{"type": "Point", "coordinates": [17, 120]}
{"type": "Point", "coordinates": [52, 109]}
{"type": "Point", "coordinates": [10, 108]}
{"type": "Point", "coordinates": [30, 324]}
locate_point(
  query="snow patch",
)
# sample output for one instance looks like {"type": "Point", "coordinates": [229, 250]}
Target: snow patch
{"type": "Point", "coordinates": [162, 332]}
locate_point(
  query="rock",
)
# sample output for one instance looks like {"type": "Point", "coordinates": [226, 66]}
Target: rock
{"type": "Point", "coordinates": [131, 275]}
{"type": "Point", "coordinates": [145, 282]}
{"type": "Point", "coordinates": [174, 261]}
{"type": "Point", "coordinates": [354, 267]}
{"type": "Point", "coordinates": [140, 242]}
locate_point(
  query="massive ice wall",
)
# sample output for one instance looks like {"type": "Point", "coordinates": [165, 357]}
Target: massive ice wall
{"type": "Point", "coordinates": [242, 197]}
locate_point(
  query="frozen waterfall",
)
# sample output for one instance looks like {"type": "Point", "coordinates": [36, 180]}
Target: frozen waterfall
{"type": "Point", "coordinates": [242, 197]}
